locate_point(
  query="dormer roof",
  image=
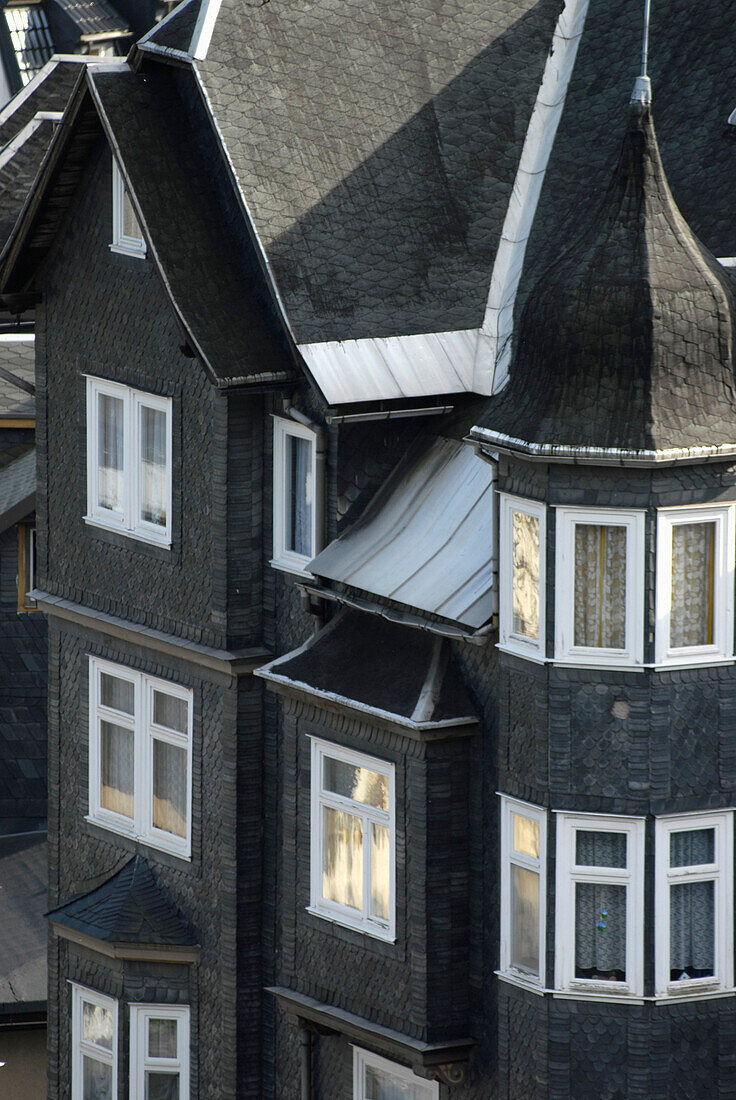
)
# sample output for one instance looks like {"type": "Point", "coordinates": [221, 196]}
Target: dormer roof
{"type": "Point", "coordinates": [625, 345]}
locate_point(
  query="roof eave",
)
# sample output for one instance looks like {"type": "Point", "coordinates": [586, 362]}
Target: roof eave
{"type": "Point", "coordinates": [485, 440]}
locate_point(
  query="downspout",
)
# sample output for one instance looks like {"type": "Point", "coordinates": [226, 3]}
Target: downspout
{"type": "Point", "coordinates": [305, 1060]}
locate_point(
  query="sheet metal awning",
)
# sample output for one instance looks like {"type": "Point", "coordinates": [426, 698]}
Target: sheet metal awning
{"type": "Point", "coordinates": [426, 540]}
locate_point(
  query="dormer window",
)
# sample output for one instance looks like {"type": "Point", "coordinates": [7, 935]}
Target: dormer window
{"type": "Point", "coordinates": [695, 580]}
{"type": "Point", "coordinates": [600, 585]}
{"type": "Point", "coordinates": [521, 604]}
{"type": "Point", "coordinates": [127, 235]}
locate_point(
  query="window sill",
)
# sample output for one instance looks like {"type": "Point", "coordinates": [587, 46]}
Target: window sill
{"type": "Point", "coordinates": [149, 540]}
{"type": "Point", "coordinates": [121, 250]}
{"type": "Point", "coordinates": [520, 983]}
{"type": "Point", "coordinates": [294, 570]}
{"type": "Point", "coordinates": [354, 926]}
{"type": "Point", "coordinates": [521, 651]}
{"type": "Point", "coordinates": [138, 838]}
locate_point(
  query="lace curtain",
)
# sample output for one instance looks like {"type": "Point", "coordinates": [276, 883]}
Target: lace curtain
{"type": "Point", "coordinates": [692, 908]}
{"type": "Point", "coordinates": [691, 615]}
{"type": "Point", "coordinates": [380, 1085]}
{"type": "Point", "coordinates": [169, 788]}
{"type": "Point", "coordinates": [525, 566]}
{"type": "Point", "coordinates": [600, 910]}
{"type": "Point", "coordinates": [600, 586]}
{"type": "Point", "coordinates": [299, 503]}
{"type": "Point", "coordinates": [153, 465]}
{"type": "Point", "coordinates": [110, 453]}
{"type": "Point", "coordinates": [162, 1086]}
{"type": "Point", "coordinates": [116, 786]}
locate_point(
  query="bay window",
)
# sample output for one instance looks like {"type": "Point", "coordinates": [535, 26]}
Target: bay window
{"type": "Point", "coordinates": [140, 750]}
{"type": "Point", "coordinates": [600, 904]}
{"type": "Point", "coordinates": [694, 903]}
{"type": "Point", "coordinates": [376, 1078]}
{"type": "Point", "coordinates": [600, 586]}
{"type": "Point", "coordinates": [695, 580]}
{"type": "Point", "coordinates": [297, 503]}
{"type": "Point", "coordinates": [94, 1045]}
{"type": "Point", "coordinates": [159, 1052]}
{"type": "Point", "coordinates": [353, 839]}
{"type": "Point", "coordinates": [522, 581]}
{"type": "Point", "coordinates": [129, 461]}
{"type": "Point", "coordinates": [523, 886]}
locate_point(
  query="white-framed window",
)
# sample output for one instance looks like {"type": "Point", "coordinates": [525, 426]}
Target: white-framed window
{"type": "Point", "coordinates": [523, 890]}
{"type": "Point", "coordinates": [159, 1052]}
{"type": "Point", "coordinates": [599, 599]}
{"type": "Point", "coordinates": [127, 235]}
{"type": "Point", "coordinates": [140, 756]}
{"type": "Point", "coordinates": [129, 461]}
{"type": "Point", "coordinates": [695, 584]}
{"type": "Point", "coordinates": [297, 495]}
{"type": "Point", "coordinates": [693, 903]}
{"type": "Point", "coordinates": [94, 1045]}
{"type": "Point", "coordinates": [353, 839]}
{"type": "Point", "coordinates": [599, 912]}
{"type": "Point", "coordinates": [522, 540]}
{"type": "Point", "coordinates": [376, 1078]}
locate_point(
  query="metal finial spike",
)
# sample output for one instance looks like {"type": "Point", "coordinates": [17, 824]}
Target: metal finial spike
{"type": "Point", "coordinates": [642, 92]}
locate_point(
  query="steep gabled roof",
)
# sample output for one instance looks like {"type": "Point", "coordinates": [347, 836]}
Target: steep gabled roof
{"type": "Point", "coordinates": [17, 369]}
{"type": "Point", "coordinates": [95, 18]}
{"type": "Point", "coordinates": [17, 489]}
{"type": "Point", "coordinates": [23, 935]}
{"type": "Point", "coordinates": [173, 35]}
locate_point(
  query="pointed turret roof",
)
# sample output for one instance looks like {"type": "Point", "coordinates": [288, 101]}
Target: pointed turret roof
{"type": "Point", "coordinates": [625, 347]}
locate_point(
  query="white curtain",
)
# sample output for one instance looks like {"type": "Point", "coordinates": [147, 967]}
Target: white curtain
{"type": "Point", "coordinates": [380, 871]}
{"type": "Point", "coordinates": [525, 919]}
{"type": "Point", "coordinates": [110, 453]}
{"type": "Point", "coordinates": [692, 908]}
{"type": "Point", "coordinates": [170, 711]}
{"type": "Point", "coordinates": [299, 519]}
{"type": "Point", "coordinates": [97, 1080]}
{"type": "Point", "coordinates": [342, 858]}
{"type": "Point", "coordinates": [116, 693]}
{"type": "Point", "coordinates": [162, 1038]}
{"type": "Point", "coordinates": [153, 465]}
{"type": "Point", "coordinates": [116, 786]}
{"type": "Point", "coordinates": [161, 1086]}
{"type": "Point", "coordinates": [525, 564]}
{"type": "Point", "coordinates": [169, 788]}
{"type": "Point", "coordinates": [600, 910]}
{"type": "Point", "coordinates": [380, 1085]}
{"type": "Point", "coordinates": [691, 616]}
{"type": "Point", "coordinates": [600, 586]}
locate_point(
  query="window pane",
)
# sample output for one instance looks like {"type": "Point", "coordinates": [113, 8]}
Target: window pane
{"type": "Point", "coordinates": [692, 930]}
{"type": "Point", "coordinates": [153, 465]}
{"type": "Point", "coordinates": [526, 835]}
{"type": "Point", "coordinates": [97, 1025]}
{"type": "Point", "coordinates": [299, 495]}
{"type": "Point", "coordinates": [600, 586]}
{"type": "Point", "coordinates": [110, 453]}
{"type": "Point", "coordinates": [31, 38]}
{"type": "Point", "coordinates": [162, 1038]}
{"type": "Point", "coordinates": [162, 1086]}
{"type": "Point", "coordinates": [380, 872]}
{"type": "Point", "coordinates": [116, 789]}
{"type": "Point", "coordinates": [131, 225]}
{"type": "Point", "coordinates": [342, 858]}
{"type": "Point", "coordinates": [600, 932]}
{"type": "Point", "coordinates": [170, 711]}
{"type": "Point", "coordinates": [360, 784]}
{"type": "Point", "coordinates": [692, 847]}
{"type": "Point", "coordinates": [525, 583]}
{"type": "Point", "coordinates": [691, 615]}
{"type": "Point", "coordinates": [169, 788]}
{"type": "Point", "coordinates": [594, 849]}
{"type": "Point", "coordinates": [382, 1085]}
{"type": "Point", "coordinates": [525, 919]}
{"type": "Point", "coordinates": [116, 693]}
{"type": "Point", "coordinates": [96, 1079]}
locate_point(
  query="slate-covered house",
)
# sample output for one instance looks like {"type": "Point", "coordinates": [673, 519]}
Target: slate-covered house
{"type": "Point", "coordinates": [386, 487]}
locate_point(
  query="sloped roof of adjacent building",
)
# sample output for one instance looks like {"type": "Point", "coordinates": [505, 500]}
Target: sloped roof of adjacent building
{"type": "Point", "coordinates": [17, 489]}
{"type": "Point", "coordinates": [17, 370]}
{"type": "Point", "coordinates": [93, 17]}
{"type": "Point", "coordinates": [174, 33]}
{"type": "Point", "coordinates": [129, 908]}
{"type": "Point", "coordinates": [23, 935]}
{"type": "Point", "coordinates": [396, 672]}
{"type": "Point", "coordinates": [426, 539]}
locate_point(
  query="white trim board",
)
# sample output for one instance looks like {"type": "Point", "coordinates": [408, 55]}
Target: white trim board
{"type": "Point", "coordinates": [202, 36]}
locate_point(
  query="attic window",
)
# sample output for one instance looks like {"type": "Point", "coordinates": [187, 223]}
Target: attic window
{"type": "Point", "coordinates": [31, 38]}
{"type": "Point", "coordinates": [127, 235]}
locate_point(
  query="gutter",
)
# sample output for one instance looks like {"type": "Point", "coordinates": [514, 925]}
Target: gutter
{"type": "Point", "coordinates": [482, 438]}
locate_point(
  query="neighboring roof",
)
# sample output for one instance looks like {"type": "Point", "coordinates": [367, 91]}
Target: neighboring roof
{"type": "Point", "coordinates": [626, 343]}
{"type": "Point", "coordinates": [129, 908]}
{"type": "Point", "coordinates": [426, 539]}
{"type": "Point", "coordinates": [17, 360]}
{"type": "Point", "coordinates": [396, 672]}
{"type": "Point", "coordinates": [174, 33]}
{"type": "Point", "coordinates": [93, 17]}
{"type": "Point", "coordinates": [17, 489]}
{"type": "Point", "coordinates": [23, 933]}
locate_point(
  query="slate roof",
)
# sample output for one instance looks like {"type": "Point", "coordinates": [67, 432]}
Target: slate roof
{"type": "Point", "coordinates": [18, 358]}
{"type": "Point", "coordinates": [426, 539]}
{"type": "Point", "coordinates": [626, 342]}
{"type": "Point", "coordinates": [23, 935]}
{"type": "Point", "coordinates": [129, 908]}
{"type": "Point", "coordinates": [17, 489]}
{"type": "Point", "coordinates": [376, 147]}
{"type": "Point", "coordinates": [175, 32]}
{"type": "Point", "coordinates": [93, 17]}
{"type": "Point", "coordinates": [401, 673]}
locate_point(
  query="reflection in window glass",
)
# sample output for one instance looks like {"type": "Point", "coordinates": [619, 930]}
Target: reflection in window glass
{"type": "Point", "coordinates": [691, 614]}
{"type": "Point", "coordinates": [526, 835]}
{"type": "Point", "coordinates": [525, 575]}
{"type": "Point", "coordinates": [342, 858]}
{"type": "Point", "coordinates": [110, 453]}
{"type": "Point", "coordinates": [600, 586]}
{"type": "Point", "coordinates": [525, 919]}
{"type": "Point", "coordinates": [360, 784]}
{"type": "Point", "coordinates": [153, 467]}
{"type": "Point", "coordinates": [299, 495]}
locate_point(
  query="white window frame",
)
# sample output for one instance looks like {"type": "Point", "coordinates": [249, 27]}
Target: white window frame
{"type": "Point", "coordinates": [145, 732]}
{"type": "Point", "coordinates": [509, 856]}
{"type": "Point", "coordinates": [140, 1061]}
{"type": "Point", "coordinates": [80, 1046]}
{"type": "Point", "coordinates": [592, 656]}
{"type": "Point", "coordinates": [723, 585]}
{"type": "Point", "coordinates": [129, 523]}
{"type": "Point", "coordinates": [363, 1059]}
{"type": "Point", "coordinates": [517, 643]}
{"type": "Point", "coordinates": [127, 246]}
{"type": "Point", "coordinates": [282, 557]}
{"type": "Point", "coordinates": [721, 873]}
{"type": "Point", "coordinates": [632, 877]}
{"type": "Point", "coordinates": [325, 907]}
